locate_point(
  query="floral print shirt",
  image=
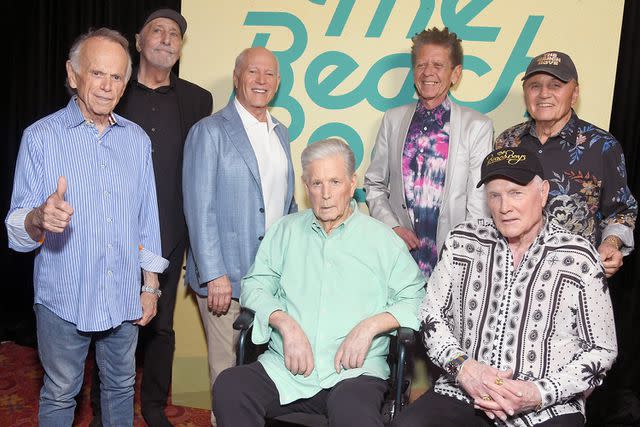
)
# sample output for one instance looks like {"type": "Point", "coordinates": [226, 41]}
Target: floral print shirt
{"type": "Point", "coordinates": [549, 319]}
{"type": "Point", "coordinates": [586, 171]}
{"type": "Point", "coordinates": [424, 161]}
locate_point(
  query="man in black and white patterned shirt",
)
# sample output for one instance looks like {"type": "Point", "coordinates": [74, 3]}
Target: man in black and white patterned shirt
{"type": "Point", "coordinates": [517, 312]}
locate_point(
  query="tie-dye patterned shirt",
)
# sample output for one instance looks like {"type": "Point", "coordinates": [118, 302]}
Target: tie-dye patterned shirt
{"type": "Point", "coordinates": [424, 161]}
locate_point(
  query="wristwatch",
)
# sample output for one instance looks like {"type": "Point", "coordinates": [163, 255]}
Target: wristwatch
{"type": "Point", "coordinates": [151, 290]}
{"type": "Point", "coordinates": [454, 365]}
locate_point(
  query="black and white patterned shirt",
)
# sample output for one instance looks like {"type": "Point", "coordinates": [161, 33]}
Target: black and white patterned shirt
{"type": "Point", "coordinates": [550, 320]}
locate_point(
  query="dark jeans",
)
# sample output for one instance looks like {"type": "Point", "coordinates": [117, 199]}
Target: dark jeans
{"type": "Point", "coordinates": [157, 342]}
{"type": "Point", "coordinates": [435, 410]}
{"type": "Point", "coordinates": [243, 396]}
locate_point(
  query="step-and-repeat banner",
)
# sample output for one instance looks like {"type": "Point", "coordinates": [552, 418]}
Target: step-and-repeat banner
{"type": "Point", "coordinates": [344, 62]}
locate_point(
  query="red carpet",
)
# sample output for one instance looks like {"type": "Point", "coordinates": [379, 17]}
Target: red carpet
{"type": "Point", "coordinates": [21, 379]}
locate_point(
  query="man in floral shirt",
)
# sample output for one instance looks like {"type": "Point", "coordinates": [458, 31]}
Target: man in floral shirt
{"type": "Point", "coordinates": [584, 164]}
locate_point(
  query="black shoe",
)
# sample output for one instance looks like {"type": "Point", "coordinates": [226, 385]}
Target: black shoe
{"type": "Point", "coordinates": [156, 418]}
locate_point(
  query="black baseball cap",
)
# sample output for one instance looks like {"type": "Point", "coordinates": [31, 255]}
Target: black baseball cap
{"type": "Point", "coordinates": [170, 14]}
{"type": "Point", "coordinates": [557, 64]}
{"type": "Point", "coordinates": [513, 163]}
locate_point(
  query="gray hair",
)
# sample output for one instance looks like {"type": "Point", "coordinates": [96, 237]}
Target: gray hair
{"type": "Point", "coordinates": [328, 148]}
{"type": "Point", "coordinates": [242, 57]}
{"type": "Point", "coordinates": [105, 33]}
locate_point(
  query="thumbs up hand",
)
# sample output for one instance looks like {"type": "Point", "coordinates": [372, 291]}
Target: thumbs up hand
{"type": "Point", "coordinates": [53, 215]}
{"type": "Point", "coordinates": [56, 212]}
{"type": "Point", "coordinates": [62, 188]}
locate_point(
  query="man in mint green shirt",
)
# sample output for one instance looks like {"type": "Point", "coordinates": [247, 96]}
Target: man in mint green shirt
{"type": "Point", "coordinates": [326, 284]}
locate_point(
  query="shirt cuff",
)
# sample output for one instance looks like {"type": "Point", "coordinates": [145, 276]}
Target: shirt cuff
{"type": "Point", "coordinates": [151, 262]}
{"type": "Point", "coordinates": [19, 239]}
{"type": "Point", "coordinates": [261, 332]}
{"type": "Point", "coordinates": [407, 318]}
{"type": "Point", "coordinates": [546, 393]}
{"type": "Point", "coordinates": [624, 233]}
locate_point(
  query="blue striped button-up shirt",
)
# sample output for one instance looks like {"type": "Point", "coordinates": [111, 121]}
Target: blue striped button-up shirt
{"type": "Point", "coordinates": [89, 275]}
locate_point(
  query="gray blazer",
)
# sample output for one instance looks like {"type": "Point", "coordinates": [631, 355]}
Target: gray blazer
{"type": "Point", "coordinates": [470, 141]}
{"type": "Point", "coordinates": [223, 203]}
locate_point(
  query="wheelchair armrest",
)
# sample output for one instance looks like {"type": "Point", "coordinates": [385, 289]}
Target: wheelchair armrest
{"type": "Point", "coordinates": [406, 336]}
{"type": "Point", "coordinates": [244, 320]}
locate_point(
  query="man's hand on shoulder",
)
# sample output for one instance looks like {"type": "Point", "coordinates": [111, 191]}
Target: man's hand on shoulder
{"type": "Point", "coordinates": [53, 215]}
{"type": "Point", "coordinates": [409, 237]}
{"type": "Point", "coordinates": [219, 295]}
{"type": "Point", "coordinates": [298, 356]}
{"type": "Point", "coordinates": [610, 255]}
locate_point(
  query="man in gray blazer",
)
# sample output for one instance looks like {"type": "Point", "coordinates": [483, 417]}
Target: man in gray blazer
{"type": "Point", "coordinates": [427, 156]}
{"type": "Point", "coordinates": [237, 181]}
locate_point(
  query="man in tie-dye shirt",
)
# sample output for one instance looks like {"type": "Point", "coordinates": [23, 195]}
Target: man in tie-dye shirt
{"type": "Point", "coordinates": [427, 156]}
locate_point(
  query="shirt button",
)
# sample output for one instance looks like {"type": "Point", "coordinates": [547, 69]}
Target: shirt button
{"type": "Point", "coordinates": [261, 210]}
{"type": "Point", "coordinates": [110, 246]}
{"type": "Point", "coordinates": [107, 194]}
{"type": "Point", "coordinates": [109, 219]}
{"type": "Point", "coordinates": [102, 165]}
{"type": "Point", "coordinates": [153, 108]}
{"type": "Point", "coordinates": [260, 237]}
{"type": "Point", "coordinates": [153, 129]}
{"type": "Point", "coordinates": [99, 141]}
{"type": "Point", "coordinates": [540, 151]}
{"type": "Point", "coordinates": [109, 273]}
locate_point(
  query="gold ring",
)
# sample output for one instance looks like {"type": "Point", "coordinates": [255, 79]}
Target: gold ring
{"type": "Point", "coordinates": [499, 381]}
{"type": "Point", "coordinates": [486, 398]}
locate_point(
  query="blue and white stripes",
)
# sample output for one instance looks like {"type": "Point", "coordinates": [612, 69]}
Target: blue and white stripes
{"type": "Point", "coordinates": [90, 274]}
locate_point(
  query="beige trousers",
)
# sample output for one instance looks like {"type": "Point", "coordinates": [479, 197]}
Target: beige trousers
{"type": "Point", "coordinates": [222, 339]}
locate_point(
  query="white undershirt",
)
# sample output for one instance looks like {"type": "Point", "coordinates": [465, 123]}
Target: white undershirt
{"type": "Point", "coordinates": [272, 162]}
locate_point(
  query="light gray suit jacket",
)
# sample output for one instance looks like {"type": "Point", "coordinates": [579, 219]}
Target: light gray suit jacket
{"type": "Point", "coordinates": [471, 139]}
{"type": "Point", "coordinates": [223, 202]}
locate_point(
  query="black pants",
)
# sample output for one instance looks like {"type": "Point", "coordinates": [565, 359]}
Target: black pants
{"type": "Point", "coordinates": [243, 396]}
{"type": "Point", "coordinates": [435, 410]}
{"type": "Point", "coordinates": [158, 342]}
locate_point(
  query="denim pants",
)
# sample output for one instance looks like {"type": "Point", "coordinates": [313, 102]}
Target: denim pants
{"type": "Point", "coordinates": [63, 350]}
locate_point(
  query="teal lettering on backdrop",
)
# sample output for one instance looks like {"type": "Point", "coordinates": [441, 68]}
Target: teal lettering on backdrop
{"type": "Point", "coordinates": [322, 91]}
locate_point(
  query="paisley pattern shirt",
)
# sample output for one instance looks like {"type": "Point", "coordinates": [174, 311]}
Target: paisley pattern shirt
{"type": "Point", "coordinates": [550, 319]}
{"type": "Point", "coordinates": [586, 171]}
{"type": "Point", "coordinates": [424, 161]}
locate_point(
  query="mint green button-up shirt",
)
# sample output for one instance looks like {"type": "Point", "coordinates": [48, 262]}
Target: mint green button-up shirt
{"type": "Point", "coordinates": [328, 284]}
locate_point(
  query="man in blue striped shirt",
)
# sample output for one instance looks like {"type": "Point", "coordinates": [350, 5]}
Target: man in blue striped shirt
{"type": "Point", "coordinates": [84, 198]}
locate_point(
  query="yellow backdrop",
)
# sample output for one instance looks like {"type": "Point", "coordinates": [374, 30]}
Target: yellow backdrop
{"type": "Point", "coordinates": [344, 62]}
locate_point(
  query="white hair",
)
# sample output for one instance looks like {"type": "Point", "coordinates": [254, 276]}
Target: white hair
{"type": "Point", "coordinates": [328, 148]}
{"type": "Point", "coordinates": [104, 33]}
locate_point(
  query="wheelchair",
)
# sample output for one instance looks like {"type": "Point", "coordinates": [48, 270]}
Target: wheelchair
{"type": "Point", "coordinates": [399, 386]}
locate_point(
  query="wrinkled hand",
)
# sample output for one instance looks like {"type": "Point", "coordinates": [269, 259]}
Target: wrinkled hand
{"type": "Point", "coordinates": [611, 258]}
{"type": "Point", "coordinates": [53, 215]}
{"type": "Point", "coordinates": [511, 397]}
{"type": "Point", "coordinates": [298, 356]}
{"type": "Point", "coordinates": [354, 348]}
{"type": "Point", "coordinates": [474, 377]}
{"type": "Point", "coordinates": [149, 303]}
{"type": "Point", "coordinates": [409, 237]}
{"type": "Point", "coordinates": [219, 295]}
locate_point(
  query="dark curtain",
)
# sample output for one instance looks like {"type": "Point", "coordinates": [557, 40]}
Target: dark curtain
{"type": "Point", "coordinates": [617, 403]}
{"type": "Point", "coordinates": [39, 35]}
